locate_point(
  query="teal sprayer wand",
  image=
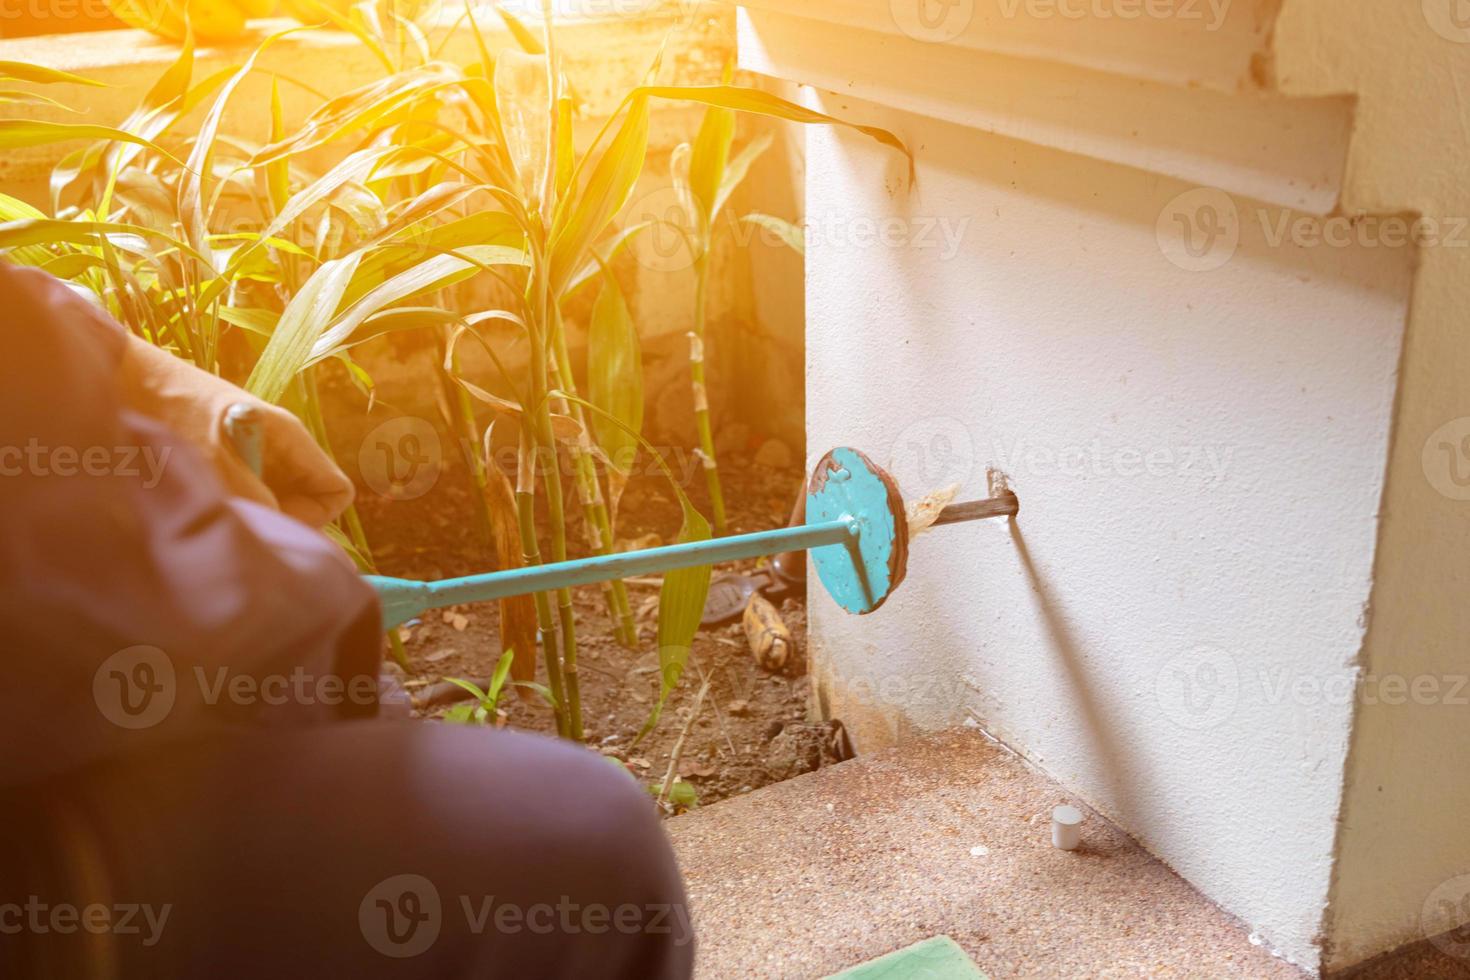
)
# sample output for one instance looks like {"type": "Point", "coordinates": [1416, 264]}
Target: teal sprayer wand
{"type": "Point", "coordinates": [856, 529]}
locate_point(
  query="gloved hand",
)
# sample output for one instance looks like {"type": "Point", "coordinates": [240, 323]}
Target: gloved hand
{"type": "Point", "coordinates": [298, 477]}
{"type": "Point", "coordinates": [212, 20]}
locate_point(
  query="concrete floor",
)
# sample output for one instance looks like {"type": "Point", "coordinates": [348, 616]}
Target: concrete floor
{"type": "Point", "coordinates": [807, 877]}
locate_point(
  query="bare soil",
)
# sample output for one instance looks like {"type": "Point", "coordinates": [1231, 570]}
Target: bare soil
{"type": "Point", "coordinates": [751, 729]}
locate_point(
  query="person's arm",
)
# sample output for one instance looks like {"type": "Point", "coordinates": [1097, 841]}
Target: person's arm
{"type": "Point", "coordinates": [116, 534]}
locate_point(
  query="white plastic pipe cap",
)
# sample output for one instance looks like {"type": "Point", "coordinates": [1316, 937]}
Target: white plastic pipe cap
{"type": "Point", "coordinates": [1066, 828]}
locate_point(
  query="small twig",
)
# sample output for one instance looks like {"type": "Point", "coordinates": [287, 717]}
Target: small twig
{"type": "Point", "coordinates": [719, 712]}
{"type": "Point", "coordinates": [663, 794]}
{"type": "Point", "coordinates": [604, 672]}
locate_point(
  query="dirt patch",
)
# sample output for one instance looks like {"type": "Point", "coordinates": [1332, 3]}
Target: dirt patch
{"type": "Point", "coordinates": [752, 729]}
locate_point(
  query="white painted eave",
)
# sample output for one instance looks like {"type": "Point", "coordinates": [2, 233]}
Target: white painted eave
{"type": "Point", "coordinates": [1213, 44]}
{"type": "Point", "coordinates": [1037, 81]}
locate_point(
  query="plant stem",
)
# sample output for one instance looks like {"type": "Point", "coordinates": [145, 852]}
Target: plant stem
{"type": "Point", "coordinates": [548, 464]}
{"type": "Point", "coordinates": [544, 456]}
{"type": "Point", "coordinates": [462, 412]}
{"type": "Point", "coordinates": [594, 504]}
{"type": "Point", "coordinates": [312, 409]}
{"type": "Point", "coordinates": [701, 398]}
{"type": "Point", "coordinates": [531, 552]}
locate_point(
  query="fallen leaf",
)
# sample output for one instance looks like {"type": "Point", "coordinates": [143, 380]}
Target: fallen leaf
{"type": "Point", "coordinates": [459, 622]}
{"type": "Point", "coordinates": [439, 655]}
{"type": "Point", "coordinates": [739, 708]}
{"type": "Point", "coordinates": [404, 634]}
{"type": "Point", "coordinates": [640, 762]}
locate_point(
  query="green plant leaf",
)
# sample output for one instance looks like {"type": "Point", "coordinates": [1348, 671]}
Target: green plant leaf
{"type": "Point", "coordinates": [745, 99]}
{"type": "Point", "coordinates": [14, 209]}
{"type": "Point", "coordinates": [194, 181]}
{"type": "Point", "coordinates": [341, 540]}
{"type": "Point", "coordinates": [92, 234]}
{"type": "Point", "coordinates": [19, 133]}
{"type": "Point", "coordinates": [429, 275]}
{"type": "Point", "coordinates": [471, 687]}
{"type": "Point", "coordinates": [681, 794]}
{"type": "Point", "coordinates": [736, 172]}
{"type": "Point", "coordinates": [259, 322]}
{"type": "Point", "coordinates": [585, 214]}
{"type": "Point", "coordinates": [462, 714]}
{"type": "Point", "coordinates": [709, 157]}
{"type": "Point", "coordinates": [566, 150]}
{"type": "Point", "coordinates": [301, 323]}
{"type": "Point", "coordinates": [525, 37]}
{"type": "Point", "coordinates": [615, 375]}
{"type": "Point", "coordinates": [541, 690]}
{"type": "Point", "coordinates": [20, 97]}
{"type": "Point", "coordinates": [277, 172]}
{"type": "Point", "coordinates": [681, 601]}
{"type": "Point", "coordinates": [23, 71]}
{"type": "Point", "coordinates": [71, 265]}
{"type": "Point", "coordinates": [351, 25]}
{"type": "Point", "coordinates": [502, 671]}
{"type": "Point", "coordinates": [792, 236]}
{"type": "Point", "coordinates": [603, 255]}
{"type": "Point", "coordinates": [364, 108]}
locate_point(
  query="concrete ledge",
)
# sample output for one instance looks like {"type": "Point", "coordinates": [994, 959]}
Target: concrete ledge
{"type": "Point", "coordinates": [605, 57]}
{"type": "Point", "coordinates": [1216, 44]}
{"type": "Point", "coordinates": [1285, 151]}
{"type": "Point", "coordinates": [806, 877]}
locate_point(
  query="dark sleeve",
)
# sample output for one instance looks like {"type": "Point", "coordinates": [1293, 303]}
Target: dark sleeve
{"type": "Point", "coordinates": [139, 602]}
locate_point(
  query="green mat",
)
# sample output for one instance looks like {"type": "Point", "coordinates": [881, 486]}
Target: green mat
{"type": "Point", "coordinates": [933, 959]}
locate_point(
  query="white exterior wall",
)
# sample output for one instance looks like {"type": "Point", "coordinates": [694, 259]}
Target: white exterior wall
{"type": "Point", "coordinates": [1176, 623]}
{"type": "Point", "coordinates": [1403, 867]}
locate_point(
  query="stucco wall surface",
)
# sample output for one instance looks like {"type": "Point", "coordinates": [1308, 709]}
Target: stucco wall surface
{"type": "Point", "coordinates": [1403, 869]}
{"type": "Point", "coordinates": [1193, 392]}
